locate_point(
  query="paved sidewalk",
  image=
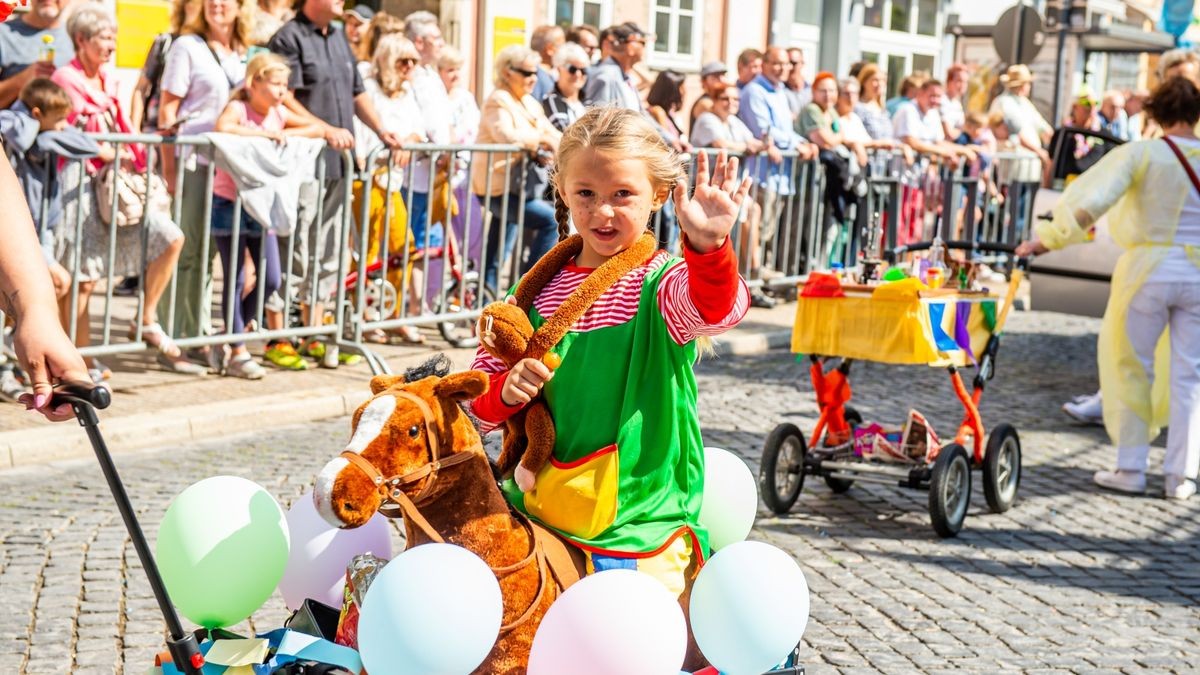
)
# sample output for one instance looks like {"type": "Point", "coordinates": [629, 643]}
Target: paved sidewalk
{"type": "Point", "coordinates": [152, 407]}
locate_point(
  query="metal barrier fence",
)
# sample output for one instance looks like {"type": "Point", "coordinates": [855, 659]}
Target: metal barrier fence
{"type": "Point", "coordinates": [412, 244]}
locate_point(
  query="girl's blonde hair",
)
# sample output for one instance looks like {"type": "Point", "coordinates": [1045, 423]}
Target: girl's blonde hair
{"type": "Point", "coordinates": [383, 63]}
{"type": "Point", "coordinates": [262, 65]}
{"type": "Point", "coordinates": [194, 22]}
{"type": "Point", "coordinates": [625, 133]}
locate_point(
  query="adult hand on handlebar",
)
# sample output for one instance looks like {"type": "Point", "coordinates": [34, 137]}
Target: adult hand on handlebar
{"type": "Point", "coordinates": [47, 356]}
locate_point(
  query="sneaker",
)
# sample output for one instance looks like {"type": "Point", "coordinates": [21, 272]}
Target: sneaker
{"type": "Point", "coordinates": [313, 350]}
{"type": "Point", "coordinates": [284, 355]}
{"type": "Point", "coordinates": [759, 299]}
{"type": "Point", "coordinates": [1178, 487]}
{"type": "Point", "coordinates": [1088, 409]}
{"type": "Point", "coordinates": [245, 367]}
{"type": "Point", "coordinates": [1129, 482]}
{"type": "Point", "coordinates": [347, 359]}
{"type": "Point", "coordinates": [10, 388]}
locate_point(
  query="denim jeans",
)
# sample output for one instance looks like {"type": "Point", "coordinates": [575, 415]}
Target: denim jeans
{"type": "Point", "coordinates": [541, 233]}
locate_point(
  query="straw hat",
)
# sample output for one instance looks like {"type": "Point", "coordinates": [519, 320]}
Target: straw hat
{"type": "Point", "coordinates": [1016, 76]}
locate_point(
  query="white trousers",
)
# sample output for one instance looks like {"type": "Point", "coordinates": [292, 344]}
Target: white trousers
{"type": "Point", "coordinates": [1155, 307]}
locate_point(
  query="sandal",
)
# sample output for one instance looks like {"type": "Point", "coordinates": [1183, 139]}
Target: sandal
{"type": "Point", "coordinates": [410, 335]}
{"type": "Point", "coordinates": [170, 356]}
{"type": "Point", "coordinates": [376, 336]}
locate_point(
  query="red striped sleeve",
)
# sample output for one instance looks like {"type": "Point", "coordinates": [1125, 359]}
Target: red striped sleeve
{"type": "Point", "coordinates": [490, 409]}
{"type": "Point", "coordinates": [703, 296]}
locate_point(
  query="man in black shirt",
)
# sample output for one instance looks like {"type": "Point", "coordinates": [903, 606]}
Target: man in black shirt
{"type": "Point", "coordinates": [325, 85]}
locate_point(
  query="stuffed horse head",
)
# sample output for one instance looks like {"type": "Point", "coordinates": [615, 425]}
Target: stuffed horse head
{"type": "Point", "coordinates": [401, 438]}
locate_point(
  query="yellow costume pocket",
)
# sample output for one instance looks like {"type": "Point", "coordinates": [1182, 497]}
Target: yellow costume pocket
{"type": "Point", "coordinates": [578, 498]}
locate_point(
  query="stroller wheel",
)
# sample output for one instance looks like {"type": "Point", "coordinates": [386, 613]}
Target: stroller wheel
{"type": "Point", "coordinates": [781, 475]}
{"type": "Point", "coordinates": [1002, 468]}
{"type": "Point", "coordinates": [950, 490]}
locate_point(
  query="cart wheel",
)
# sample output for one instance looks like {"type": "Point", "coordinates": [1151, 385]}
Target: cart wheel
{"type": "Point", "coordinates": [1002, 468]}
{"type": "Point", "coordinates": [782, 471]}
{"type": "Point", "coordinates": [840, 485]}
{"type": "Point", "coordinates": [949, 490]}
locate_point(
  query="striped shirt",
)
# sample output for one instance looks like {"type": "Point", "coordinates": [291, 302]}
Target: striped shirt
{"type": "Point", "coordinates": [686, 299]}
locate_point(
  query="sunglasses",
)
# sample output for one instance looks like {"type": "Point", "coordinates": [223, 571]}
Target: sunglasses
{"type": "Point", "coordinates": [523, 73]}
{"type": "Point", "coordinates": [576, 70]}
{"type": "Point", "coordinates": [795, 63]}
{"type": "Point", "coordinates": [406, 62]}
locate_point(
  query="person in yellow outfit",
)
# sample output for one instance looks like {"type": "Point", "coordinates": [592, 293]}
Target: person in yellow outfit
{"type": "Point", "coordinates": [1152, 321]}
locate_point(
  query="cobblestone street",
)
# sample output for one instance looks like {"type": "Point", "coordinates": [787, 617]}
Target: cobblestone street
{"type": "Point", "coordinates": [1072, 579]}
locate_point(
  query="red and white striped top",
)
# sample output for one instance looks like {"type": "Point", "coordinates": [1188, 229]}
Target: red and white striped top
{"type": "Point", "coordinates": [703, 297]}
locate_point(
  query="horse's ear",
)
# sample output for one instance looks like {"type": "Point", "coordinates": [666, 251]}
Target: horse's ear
{"type": "Point", "coordinates": [382, 382]}
{"type": "Point", "coordinates": [464, 386]}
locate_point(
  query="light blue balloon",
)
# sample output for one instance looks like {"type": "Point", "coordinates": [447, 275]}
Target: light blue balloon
{"type": "Point", "coordinates": [749, 607]}
{"type": "Point", "coordinates": [434, 610]}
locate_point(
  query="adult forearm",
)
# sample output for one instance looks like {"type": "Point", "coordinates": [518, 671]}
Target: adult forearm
{"type": "Point", "coordinates": [10, 88]}
{"type": "Point", "coordinates": [25, 286]}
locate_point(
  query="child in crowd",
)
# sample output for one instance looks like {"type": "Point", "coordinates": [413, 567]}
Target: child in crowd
{"type": "Point", "coordinates": [625, 384]}
{"type": "Point", "coordinates": [34, 133]}
{"type": "Point", "coordinates": [256, 110]}
{"type": "Point", "coordinates": [977, 132]}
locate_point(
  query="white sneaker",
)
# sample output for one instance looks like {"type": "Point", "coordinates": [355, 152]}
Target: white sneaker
{"type": "Point", "coordinates": [1178, 487]}
{"type": "Point", "coordinates": [1086, 409]}
{"type": "Point", "coordinates": [1129, 482]}
{"type": "Point", "coordinates": [245, 367]}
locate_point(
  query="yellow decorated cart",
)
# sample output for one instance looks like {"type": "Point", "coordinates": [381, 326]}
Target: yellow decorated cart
{"type": "Point", "coordinates": [901, 323]}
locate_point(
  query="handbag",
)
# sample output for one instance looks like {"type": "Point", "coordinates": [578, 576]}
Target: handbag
{"type": "Point", "coordinates": [131, 190]}
{"type": "Point", "coordinates": [133, 195]}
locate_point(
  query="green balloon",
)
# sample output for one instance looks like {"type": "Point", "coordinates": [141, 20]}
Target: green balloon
{"type": "Point", "coordinates": [895, 274]}
{"type": "Point", "coordinates": [222, 548]}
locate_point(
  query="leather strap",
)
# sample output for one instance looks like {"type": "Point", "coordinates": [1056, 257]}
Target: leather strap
{"type": "Point", "coordinates": [1187, 166]}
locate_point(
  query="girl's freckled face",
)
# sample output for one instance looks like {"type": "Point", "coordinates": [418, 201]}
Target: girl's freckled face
{"type": "Point", "coordinates": [610, 198]}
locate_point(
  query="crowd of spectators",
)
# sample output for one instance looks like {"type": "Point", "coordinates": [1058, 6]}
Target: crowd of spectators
{"type": "Point", "coordinates": [375, 83]}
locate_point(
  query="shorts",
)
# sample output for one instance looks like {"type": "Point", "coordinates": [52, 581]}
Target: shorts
{"type": "Point", "coordinates": [670, 566]}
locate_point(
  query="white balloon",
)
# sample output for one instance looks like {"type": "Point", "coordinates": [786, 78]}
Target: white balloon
{"type": "Point", "coordinates": [619, 622]}
{"type": "Point", "coordinates": [434, 610]}
{"type": "Point", "coordinates": [749, 608]}
{"type": "Point", "coordinates": [730, 498]}
{"type": "Point", "coordinates": [316, 566]}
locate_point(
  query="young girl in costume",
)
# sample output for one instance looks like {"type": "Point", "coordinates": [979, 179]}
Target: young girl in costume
{"type": "Point", "coordinates": [626, 478]}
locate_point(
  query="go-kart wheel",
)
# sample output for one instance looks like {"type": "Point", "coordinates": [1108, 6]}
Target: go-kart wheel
{"type": "Point", "coordinates": [840, 485]}
{"type": "Point", "coordinates": [1002, 468]}
{"type": "Point", "coordinates": [949, 490]}
{"type": "Point", "coordinates": [781, 475]}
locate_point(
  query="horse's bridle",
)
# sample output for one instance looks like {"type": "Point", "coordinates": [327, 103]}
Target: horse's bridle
{"type": "Point", "coordinates": [391, 489]}
{"type": "Point", "coordinates": [396, 502]}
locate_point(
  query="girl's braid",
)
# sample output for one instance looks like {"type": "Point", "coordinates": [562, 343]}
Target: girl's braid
{"type": "Point", "coordinates": [562, 215]}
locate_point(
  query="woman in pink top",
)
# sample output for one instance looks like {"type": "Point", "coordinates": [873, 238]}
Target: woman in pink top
{"type": "Point", "coordinates": [96, 108]}
{"type": "Point", "coordinates": [256, 110]}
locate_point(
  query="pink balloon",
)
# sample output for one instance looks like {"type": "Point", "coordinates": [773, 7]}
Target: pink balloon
{"type": "Point", "coordinates": [618, 622]}
{"type": "Point", "coordinates": [316, 566]}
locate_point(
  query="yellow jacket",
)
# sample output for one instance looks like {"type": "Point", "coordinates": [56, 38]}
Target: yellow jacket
{"type": "Point", "coordinates": [508, 121]}
{"type": "Point", "coordinates": [1145, 186]}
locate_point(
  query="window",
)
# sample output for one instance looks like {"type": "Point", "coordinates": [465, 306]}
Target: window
{"type": "Point", "coordinates": [870, 57]}
{"type": "Point", "coordinates": [901, 16]}
{"type": "Point", "coordinates": [677, 32]}
{"type": "Point", "coordinates": [873, 15]}
{"type": "Point", "coordinates": [569, 13]}
{"type": "Point", "coordinates": [807, 11]}
{"type": "Point", "coordinates": [923, 62]}
{"type": "Point", "coordinates": [927, 17]}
